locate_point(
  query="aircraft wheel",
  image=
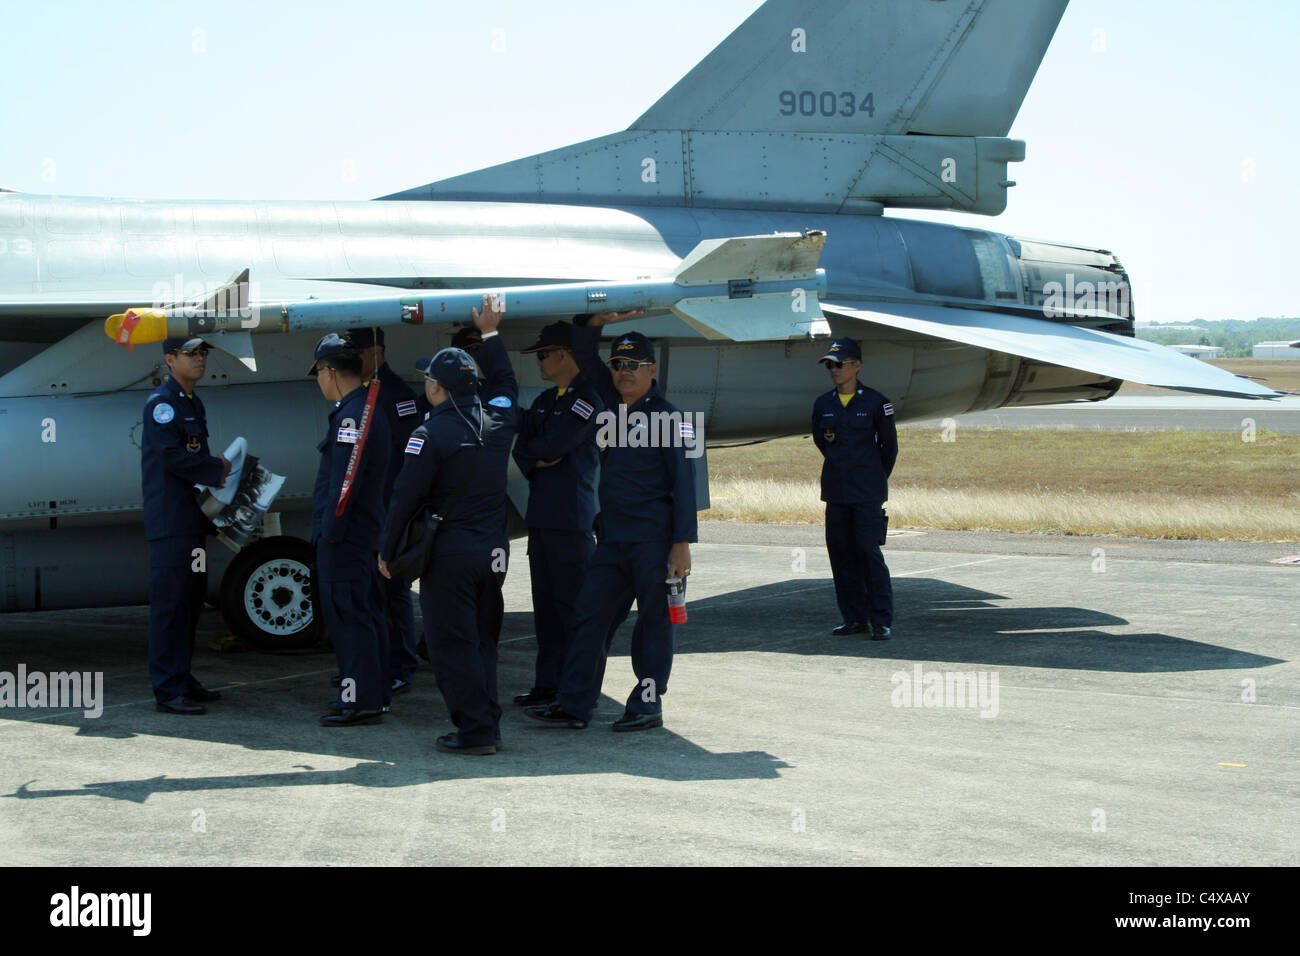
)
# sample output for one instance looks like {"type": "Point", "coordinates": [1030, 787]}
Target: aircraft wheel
{"type": "Point", "coordinates": [267, 595]}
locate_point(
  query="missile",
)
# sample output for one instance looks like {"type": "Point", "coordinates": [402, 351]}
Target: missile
{"type": "Point", "coordinates": [744, 288]}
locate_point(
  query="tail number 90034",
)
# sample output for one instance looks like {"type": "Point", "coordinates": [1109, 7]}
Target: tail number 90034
{"type": "Point", "coordinates": [827, 103]}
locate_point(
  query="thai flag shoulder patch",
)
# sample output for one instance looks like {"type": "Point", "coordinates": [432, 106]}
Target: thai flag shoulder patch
{"type": "Point", "coordinates": [687, 431]}
{"type": "Point", "coordinates": [889, 408]}
{"type": "Point", "coordinates": [349, 435]}
{"type": "Point", "coordinates": [406, 408]}
{"type": "Point", "coordinates": [582, 409]}
{"type": "Point", "coordinates": [414, 445]}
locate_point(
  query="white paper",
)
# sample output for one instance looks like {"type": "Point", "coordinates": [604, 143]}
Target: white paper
{"type": "Point", "coordinates": [238, 506]}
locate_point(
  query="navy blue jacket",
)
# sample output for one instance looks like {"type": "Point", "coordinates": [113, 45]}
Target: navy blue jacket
{"type": "Point", "coordinates": [356, 531]}
{"type": "Point", "coordinates": [440, 453]}
{"type": "Point", "coordinates": [646, 493]}
{"type": "Point", "coordinates": [564, 426]}
{"type": "Point", "coordinates": [403, 410]}
{"type": "Point", "coordinates": [860, 444]}
{"type": "Point", "coordinates": [174, 458]}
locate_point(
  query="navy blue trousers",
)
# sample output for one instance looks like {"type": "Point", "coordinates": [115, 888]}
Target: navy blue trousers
{"type": "Point", "coordinates": [862, 586]}
{"type": "Point", "coordinates": [462, 606]}
{"type": "Point", "coordinates": [557, 564]}
{"type": "Point", "coordinates": [176, 594]}
{"type": "Point", "coordinates": [619, 572]}
{"type": "Point", "coordinates": [351, 601]}
{"type": "Point", "coordinates": [399, 613]}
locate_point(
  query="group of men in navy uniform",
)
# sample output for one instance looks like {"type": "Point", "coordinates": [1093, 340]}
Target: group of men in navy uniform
{"type": "Point", "coordinates": [388, 452]}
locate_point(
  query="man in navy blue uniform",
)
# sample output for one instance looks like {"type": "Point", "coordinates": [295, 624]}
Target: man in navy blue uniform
{"type": "Point", "coordinates": [853, 426]}
{"type": "Point", "coordinates": [402, 409]}
{"type": "Point", "coordinates": [174, 458]}
{"type": "Point", "coordinates": [458, 462]}
{"type": "Point", "coordinates": [646, 524]}
{"type": "Point", "coordinates": [556, 452]}
{"type": "Point", "coordinates": [347, 517]}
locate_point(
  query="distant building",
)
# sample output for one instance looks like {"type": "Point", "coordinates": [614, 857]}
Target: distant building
{"type": "Point", "coordinates": [1199, 351]}
{"type": "Point", "coordinates": [1277, 350]}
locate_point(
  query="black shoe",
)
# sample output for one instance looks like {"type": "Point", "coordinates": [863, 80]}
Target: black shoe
{"type": "Point", "coordinates": [180, 705]}
{"type": "Point", "coordinates": [537, 697]}
{"type": "Point", "coordinates": [199, 692]}
{"type": "Point", "coordinates": [450, 744]}
{"type": "Point", "coordinates": [879, 632]}
{"type": "Point", "coordinates": [350, 716]}
{"type": "Point", "coordinates": [848, 627]}
{"type": "Point", "coordinates": [334, 707]}
{"type": "Point", "coordinates": [400, 686]}
{"type": "Point", "coordinates": [553, 715]}
{"type": "Point", "coordinates": [631, 721]}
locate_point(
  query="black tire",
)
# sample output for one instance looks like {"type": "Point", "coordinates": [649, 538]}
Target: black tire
{"type": "Point", "coordinates": [268, 595]}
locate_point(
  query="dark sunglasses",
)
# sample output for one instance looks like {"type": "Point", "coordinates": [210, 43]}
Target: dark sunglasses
{"type": "Point", "coordinates": [542, 355]}
{"type": "Point", "coordinates": [631, 365]}
{"type": "Point", "coordinates": [202, 351]}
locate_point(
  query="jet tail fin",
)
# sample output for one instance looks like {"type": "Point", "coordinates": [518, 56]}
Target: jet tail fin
{"type": "Point", "coordinates": [940, 69]}
{"type": "Point", "coordinates": [839, 106]}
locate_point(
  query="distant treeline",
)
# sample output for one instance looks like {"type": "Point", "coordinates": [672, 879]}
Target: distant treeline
{"type": "Point", "coordinates": [1235, 336]}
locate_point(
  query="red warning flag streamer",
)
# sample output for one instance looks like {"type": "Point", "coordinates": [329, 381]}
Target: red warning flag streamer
{"type": "Point", "coordinates": [129, 322]}
{"type": "Point", "coordinates": [372, 399]}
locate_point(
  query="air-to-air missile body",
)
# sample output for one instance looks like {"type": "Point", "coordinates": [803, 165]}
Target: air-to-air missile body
{"type": "Point", "coordinates": [743, 211]}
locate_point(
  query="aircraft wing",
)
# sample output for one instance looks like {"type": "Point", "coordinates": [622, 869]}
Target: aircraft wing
{"type": "Point", "coordinates": [1056, 343]}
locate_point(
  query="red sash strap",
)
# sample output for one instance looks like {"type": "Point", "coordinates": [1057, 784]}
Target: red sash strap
{"type": "Point", "coordinates": [354, 462]}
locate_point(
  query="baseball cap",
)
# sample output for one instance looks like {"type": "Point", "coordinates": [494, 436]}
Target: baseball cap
{"type": "Point", "coordinates": [632, 345]}
{"type": "Point", "coordinates": [558, 335]}
{"type": "Point", "coordinates": [453, 369]}
{"type": "Point", "coordinates": [171, 345]}
{"type": "Point", "coordinates": [333, 345]}
{"type": "Point", "coordinates": [842, 349]}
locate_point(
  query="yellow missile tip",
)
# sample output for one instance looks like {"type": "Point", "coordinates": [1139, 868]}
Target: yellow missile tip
{"type": "Point", "coordinates": [137, 326]}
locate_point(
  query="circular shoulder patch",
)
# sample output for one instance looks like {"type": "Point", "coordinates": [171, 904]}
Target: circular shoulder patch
{"type": "Point", "coordinates": [501, 401]}
{"type": "Point", "coordinates": [163, 413]}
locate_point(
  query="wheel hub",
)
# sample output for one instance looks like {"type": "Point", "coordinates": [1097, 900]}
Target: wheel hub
{"type": "Point", "coordinates": [277, 597]}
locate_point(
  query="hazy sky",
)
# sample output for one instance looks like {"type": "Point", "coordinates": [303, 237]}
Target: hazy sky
{"type": "Point", "coordinates": [1163, 130]}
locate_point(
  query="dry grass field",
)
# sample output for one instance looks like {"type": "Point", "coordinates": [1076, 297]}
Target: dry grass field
{"type": "Point", "coordinates": [1146, 484]}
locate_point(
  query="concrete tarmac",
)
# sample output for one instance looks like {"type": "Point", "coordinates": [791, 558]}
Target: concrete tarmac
{"type": "Point", "coordinates": [1044, 701]}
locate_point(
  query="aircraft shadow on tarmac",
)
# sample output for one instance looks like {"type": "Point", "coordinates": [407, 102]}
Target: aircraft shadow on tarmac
{"type": "Point", "coordinates": [939, 621]}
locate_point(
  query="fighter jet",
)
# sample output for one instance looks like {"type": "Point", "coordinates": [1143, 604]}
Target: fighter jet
{"type": "Point", "coordinates": [744, 211]}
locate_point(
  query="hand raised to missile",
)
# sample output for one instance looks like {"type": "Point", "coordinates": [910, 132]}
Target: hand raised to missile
{"type": "Point", "coordinates": [488, 320]}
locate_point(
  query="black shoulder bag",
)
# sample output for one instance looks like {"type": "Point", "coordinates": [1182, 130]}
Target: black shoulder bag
{"type": "Point", "coordinates": [414, 550]}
